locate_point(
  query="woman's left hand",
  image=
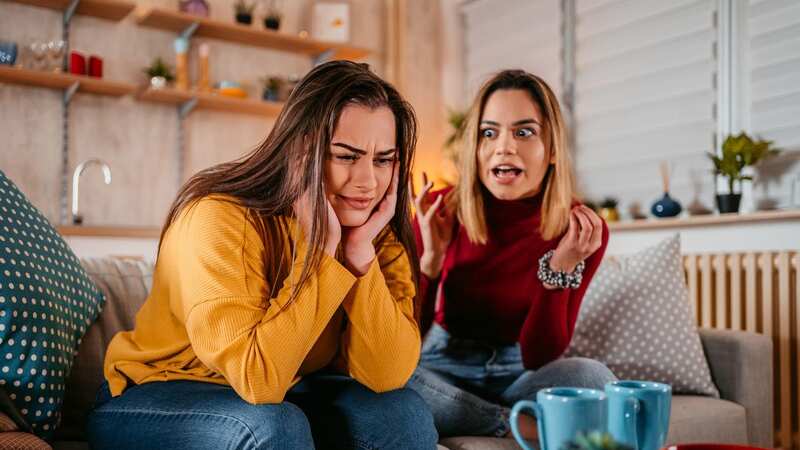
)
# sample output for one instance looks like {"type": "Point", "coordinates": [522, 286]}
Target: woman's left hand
{"type": "Point", "coordinates": [584, 236]}
{"type": "Point", "coordinates": [357, 241]}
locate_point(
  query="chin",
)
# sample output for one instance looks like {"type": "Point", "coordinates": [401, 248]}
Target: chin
{"type": "Point", "coordinates": [506, 192]}
{"type": "Point", "coordinates": [352, 218]}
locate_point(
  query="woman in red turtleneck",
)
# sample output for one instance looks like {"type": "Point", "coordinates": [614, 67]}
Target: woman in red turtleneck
{"type": "Point", "coordinates": [506, 257]}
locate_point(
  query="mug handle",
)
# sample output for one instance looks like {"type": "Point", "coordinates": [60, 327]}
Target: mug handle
{"type": "Point", "coordinates": [537, 411]}
{"type": "Point", "coordinates": [632, 407]}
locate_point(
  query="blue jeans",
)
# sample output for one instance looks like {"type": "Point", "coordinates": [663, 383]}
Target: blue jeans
{"type": "Point", "coordinates": [329, 411]}
{"type": "Point", "coordinates": [470, 386]}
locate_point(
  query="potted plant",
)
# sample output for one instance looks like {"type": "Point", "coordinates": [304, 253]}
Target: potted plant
{"type": "Point", "coordinates": [244, 11]}
{"type": "Point", "coordinates": [272, 88]}
{"type": "Point", "coordinates": [608, 209]}
{"type": "Point", "coordinates": [738, 152]}
{"type": "Point", "coordinates": [274, 15]}
{"type": "Point", "coordinates": [194, 7]}
{"type": "Point", "coordinates": [594, 440]}
{"type": "Point", "coordinates": [160, 74]}
{"type": "Point", "coordinates": [456, 119]}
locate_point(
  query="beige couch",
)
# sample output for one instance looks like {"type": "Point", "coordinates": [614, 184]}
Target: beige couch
{"type": "Point", "coordinates": [741, 365]}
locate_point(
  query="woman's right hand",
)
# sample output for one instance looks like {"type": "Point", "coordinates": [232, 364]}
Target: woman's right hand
{"type": "Point", "coordinates": [302, 210]}
{"type": "Point", "coordinates": [436, 219]}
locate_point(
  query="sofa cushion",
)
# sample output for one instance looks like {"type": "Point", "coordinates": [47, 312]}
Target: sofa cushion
{"type": "Point", "coordinates": [126, 284]}
{"type": "Point", "coordinates": [47, 301]}
{"type": "Point", "coordinates": [636, 318]}
{"type": "Point", "coordinates": [705, 419]}
{"type": "Point", "coordinates": [19, 440]}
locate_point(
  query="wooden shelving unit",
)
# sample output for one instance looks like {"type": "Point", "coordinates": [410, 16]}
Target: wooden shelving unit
{"type": "Point", "coordinates": [210, 101]}
{"type": "Point", "coordinates": [105, 9]}
{"type": "Point", "coordinates": [167, 19]}
{"type": "Point", "coordinates": [53, 80]}
{"type": "Point", "coordinates": [699, 221]}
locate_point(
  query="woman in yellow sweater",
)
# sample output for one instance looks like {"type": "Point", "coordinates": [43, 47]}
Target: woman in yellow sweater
{"type": "Point", "coordinates": [282, 311]}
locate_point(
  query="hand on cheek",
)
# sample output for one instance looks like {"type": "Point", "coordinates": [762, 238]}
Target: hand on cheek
{"type": "Point", "coordinates": [302, 211]}
{"type": "Point", "coordinates": [358, 248]}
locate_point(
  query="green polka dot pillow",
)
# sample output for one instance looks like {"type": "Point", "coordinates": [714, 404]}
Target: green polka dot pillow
{"type": "Point", "coordinates": [47, 302]}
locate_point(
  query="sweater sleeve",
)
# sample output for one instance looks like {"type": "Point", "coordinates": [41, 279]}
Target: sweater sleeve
{"type": "Point", "coordinates": [428, 287]}
{"type": "Point", "coordinates": [381, 344]}
{"type": "Point", "coordinates": [256, 342]}
{"type": "Point", "coordinates": [548, 327]}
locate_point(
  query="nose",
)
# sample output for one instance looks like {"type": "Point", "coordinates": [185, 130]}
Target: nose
{"type": "Point", "coordinates": [505, 144]}
{"type": "Point", "coordinates": [363, 175]}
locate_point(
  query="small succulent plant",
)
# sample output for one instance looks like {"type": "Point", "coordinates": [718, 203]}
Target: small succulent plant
{"type": "Point", "coordinates": [594, 441]}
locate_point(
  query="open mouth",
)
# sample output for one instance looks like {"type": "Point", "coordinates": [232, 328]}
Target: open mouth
{"type": "Point", "coordinates": [506, 172]}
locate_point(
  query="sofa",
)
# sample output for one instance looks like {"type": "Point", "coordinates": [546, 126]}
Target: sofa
{"type": "Point", "coordinates": [741, 366]}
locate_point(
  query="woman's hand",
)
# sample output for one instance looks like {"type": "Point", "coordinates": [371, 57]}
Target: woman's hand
{"type": "Point", "coordinates": [436, 222]}
{"type": "Point", "coordinates": [302, 210]}
{"type": "Point", "coordinates": [583, 238]}
{"type": "Point", "coordinates": [358, 248]}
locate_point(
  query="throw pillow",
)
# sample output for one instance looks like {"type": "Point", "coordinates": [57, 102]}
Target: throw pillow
{"type": "Point", "coordinates": [47, 302]}
{"type": "Point", "coordinates": [636, 318]}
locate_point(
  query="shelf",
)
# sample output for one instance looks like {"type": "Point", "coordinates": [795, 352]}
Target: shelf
{"type": "Point", "coordinates": [211, 101]}
{"type": "Point", "coordinates": [53, 80]}
{"type": "Point", "coordinates": [707, 220]}
{"type": "Point", "coordinates": [105, 9]}
{"type": "Point", "coordinates": [167, 19]}
{"type": "Point", "coordinates": [109, 231]}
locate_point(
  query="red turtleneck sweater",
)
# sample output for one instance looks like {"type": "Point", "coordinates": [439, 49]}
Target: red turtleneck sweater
{"type": "Point", "coordinates": [491, 292]}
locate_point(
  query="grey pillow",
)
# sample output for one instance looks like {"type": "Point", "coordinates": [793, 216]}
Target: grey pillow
{"type": "Point", "coordinates": [636, 318]}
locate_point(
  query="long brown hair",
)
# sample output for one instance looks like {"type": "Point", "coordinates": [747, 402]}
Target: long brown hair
{"type": "Point", "coordinates": [559, 182]}
{"type": "Point", "coordinates": [291, 160]}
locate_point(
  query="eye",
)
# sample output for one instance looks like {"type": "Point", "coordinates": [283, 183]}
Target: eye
{"type": "Point", "coordinates": [488, 133]}
{"type": "Point", "coordinates": [525, 132]}
{"type": "Point", "coordinates": [346, 158]}
{"type": "Point", "coordinates": [385, 162]}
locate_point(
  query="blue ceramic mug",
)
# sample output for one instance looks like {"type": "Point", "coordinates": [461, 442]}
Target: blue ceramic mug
{"type": "Point", "coordinates": [561, 413]}
{"type": "Point", "coordinates": [638, 413]}
{"type": "Point", "coordinates": [8, 53]}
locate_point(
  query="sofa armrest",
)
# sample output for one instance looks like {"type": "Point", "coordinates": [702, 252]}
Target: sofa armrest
{"type": "Point", "coordinates": [741, 365]}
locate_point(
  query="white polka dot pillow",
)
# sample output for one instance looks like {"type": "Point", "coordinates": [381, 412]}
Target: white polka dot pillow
{"type": "Point", "coordinates": [47, 302]}
{"type": "Point", "coordinates": [636, 318]}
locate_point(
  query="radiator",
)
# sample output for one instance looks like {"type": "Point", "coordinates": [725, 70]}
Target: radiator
{"type": "Point", "coordinates": [756, 292]}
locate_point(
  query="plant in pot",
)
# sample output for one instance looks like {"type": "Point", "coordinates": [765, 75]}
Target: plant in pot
{"type": "Point", "coordinates": [160, 74]}
{"type": "Point", "coordinates": [272, 88]}
{"type": "Point", "coordinates": [608, 209]}
{"type": "Point", "coordinates": [456, 119]}
{"type": "Point", "coordinates": [274, 15]}
{"type": "Point", "coordinates": [594, 440]}
{"type": "Point", "coordinates": [738, 152]}
{"type": "Point", "coordinates": [244, 11]}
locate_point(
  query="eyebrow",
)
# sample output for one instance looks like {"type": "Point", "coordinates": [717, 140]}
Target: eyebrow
{"type": "Point", "coordinates": [519, 122]}
{"type": "Point", "coordinates": [363, 152]}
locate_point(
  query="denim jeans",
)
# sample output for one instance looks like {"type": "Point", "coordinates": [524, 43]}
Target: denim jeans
{"type": "Point", "coordinates": [326, 410]}
{"type": "Point", "coordinates": [470, 386]}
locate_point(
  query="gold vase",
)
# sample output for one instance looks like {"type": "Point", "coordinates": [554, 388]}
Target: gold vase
{"type": "Point", "coordinates": [609, 214]}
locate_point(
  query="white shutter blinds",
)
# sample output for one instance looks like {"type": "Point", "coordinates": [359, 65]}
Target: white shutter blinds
{"type": "Point", "coordinates": [644, 92]}
{"type": "Point", "coordinates": [773, 54]}
{"type": "Point", "coordinates": [512, 34]}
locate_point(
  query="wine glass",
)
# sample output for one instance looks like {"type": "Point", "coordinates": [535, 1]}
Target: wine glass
{"type": "Point", "coordinates": [38, 50]}
{"type": "Point", "coordinates": [55, 52]}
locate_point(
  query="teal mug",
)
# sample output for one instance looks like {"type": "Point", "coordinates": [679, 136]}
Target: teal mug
{"type": "Point", "coordinates": [561, 413]}
{"type": "Point", "coordinates": [638, 413]}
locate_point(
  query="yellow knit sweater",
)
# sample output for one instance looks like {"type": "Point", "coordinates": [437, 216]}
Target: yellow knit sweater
{"type": "Point", "coordinates": [209, 316]}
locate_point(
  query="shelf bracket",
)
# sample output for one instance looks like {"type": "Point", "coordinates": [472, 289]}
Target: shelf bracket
{"type": "Point", "coordinates": [189, 31]}
{"type": "Point", "coordinates": [324, 57]}
{"type": "Point", "coordinates": [70, 11]}
{"type": "Point", "coordinates": [186, 107]}
{"type": "Point", "coordinates": [70, 91]}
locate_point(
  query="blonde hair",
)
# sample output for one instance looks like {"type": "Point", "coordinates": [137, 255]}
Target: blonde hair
{"type": "Point", "coordinates": [559, 190]}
